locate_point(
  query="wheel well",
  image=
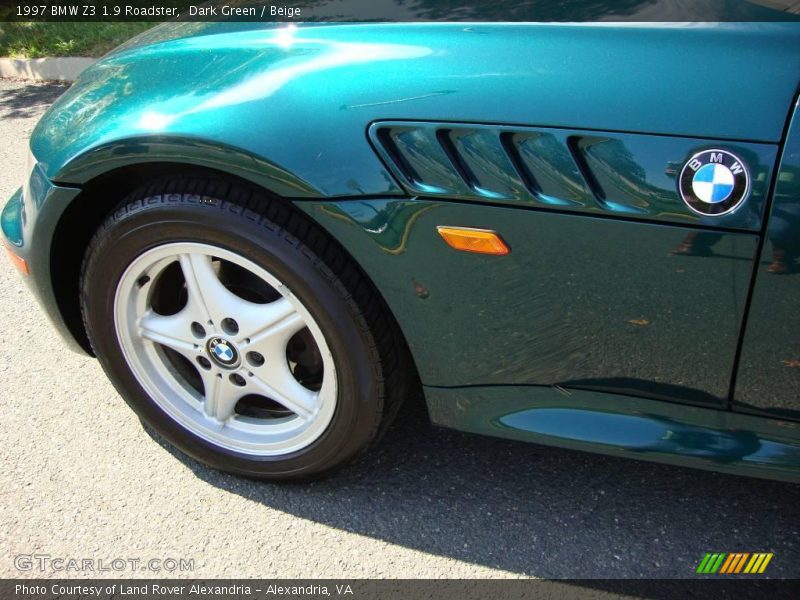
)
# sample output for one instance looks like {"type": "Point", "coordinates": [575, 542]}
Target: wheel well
{"type": "Point", "coordinates": [98, 198]}
{"type": "Point", "coordinates": [75, 229]}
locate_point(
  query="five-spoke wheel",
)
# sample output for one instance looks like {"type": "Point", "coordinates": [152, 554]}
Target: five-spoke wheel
{"type": "Point", "coordinates": [225, 364]}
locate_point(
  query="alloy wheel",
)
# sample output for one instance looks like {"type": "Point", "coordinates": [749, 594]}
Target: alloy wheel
{"type": "Point", "coordinates": [225, 349]}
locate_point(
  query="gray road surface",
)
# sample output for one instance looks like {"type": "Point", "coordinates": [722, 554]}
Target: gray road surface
{"type": "Point", "coordinates": [81, 478]}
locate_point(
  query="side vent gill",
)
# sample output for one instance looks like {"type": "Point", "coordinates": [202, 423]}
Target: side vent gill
{"type": "Point", "coordinates": [479, 162]}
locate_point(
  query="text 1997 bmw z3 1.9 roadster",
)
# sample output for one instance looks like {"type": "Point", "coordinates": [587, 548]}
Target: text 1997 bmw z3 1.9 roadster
{"type": "Point", "coordinates": [571, 234]}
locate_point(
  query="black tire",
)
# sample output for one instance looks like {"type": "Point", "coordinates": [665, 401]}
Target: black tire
{"type": "Point", "coordinates": [372, 363]}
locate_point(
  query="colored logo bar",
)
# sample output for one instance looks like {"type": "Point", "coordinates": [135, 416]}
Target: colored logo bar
{"type": "Point", "coordinates": [727, 563]}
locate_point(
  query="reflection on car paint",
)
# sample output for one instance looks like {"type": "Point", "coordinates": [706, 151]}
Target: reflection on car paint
{"type": "Point", "coordinates": [768, 379]}
{"type": "Point", "coordinates": [557, 308]}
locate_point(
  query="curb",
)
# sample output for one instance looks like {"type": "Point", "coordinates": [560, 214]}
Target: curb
{"type": "Point", "coordinates": [45, 69]}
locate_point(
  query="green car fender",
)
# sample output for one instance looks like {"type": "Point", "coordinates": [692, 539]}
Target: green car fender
{"type": "Point", "coordinates": [298, 112]}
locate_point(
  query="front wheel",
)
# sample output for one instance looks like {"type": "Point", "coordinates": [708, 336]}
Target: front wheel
{"type": "Point", "coordinates": [232, 335]}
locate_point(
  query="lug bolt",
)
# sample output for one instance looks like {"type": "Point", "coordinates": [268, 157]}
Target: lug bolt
{"type": "Point", "coordinates": [255, 358]}
{"type": "Point", "coordinates": [198, 330]}
{"type": "Point", "coordinates": [230, 326]}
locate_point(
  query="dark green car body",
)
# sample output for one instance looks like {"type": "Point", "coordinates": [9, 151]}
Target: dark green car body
{"type": "Point", "coordinates": [593, 332]}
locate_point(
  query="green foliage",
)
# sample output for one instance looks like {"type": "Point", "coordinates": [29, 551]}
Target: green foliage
{"type": "Point", "coordinates": [35, 40]}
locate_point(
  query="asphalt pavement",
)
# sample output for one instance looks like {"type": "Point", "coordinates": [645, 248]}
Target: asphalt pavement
{"type": "Point", "coordinates": [81, 478]}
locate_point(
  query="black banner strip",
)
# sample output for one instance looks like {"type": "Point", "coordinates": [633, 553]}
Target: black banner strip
{"type": "Point", "coordinates": [399, 10]}
{"type": "Point", "coordinates": [400, 589]}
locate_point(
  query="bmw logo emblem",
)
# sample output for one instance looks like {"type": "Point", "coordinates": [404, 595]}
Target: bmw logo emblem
{"type": "Point", "coordinates": [223, 352]}
{"type": "Point", "coordinates": [714, 183]}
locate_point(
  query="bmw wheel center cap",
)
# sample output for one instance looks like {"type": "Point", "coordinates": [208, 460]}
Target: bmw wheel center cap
{"type": "Point", "coordinates": [222, 352]}
{"type": "Point", "coordinates": [714, 182]}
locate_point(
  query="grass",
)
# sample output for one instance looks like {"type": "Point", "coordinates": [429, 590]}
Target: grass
{"type": "Point", "coordinates": [39, 39]}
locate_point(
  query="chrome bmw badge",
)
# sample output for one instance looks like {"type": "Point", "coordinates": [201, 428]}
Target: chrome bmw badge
{"type": "Point", "coordinates": [222, 352]}
{"type": "Point", "coordinates": [714, 182]}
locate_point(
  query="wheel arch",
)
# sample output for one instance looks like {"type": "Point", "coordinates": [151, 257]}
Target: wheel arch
{"type": "Point", "coordinates": [146, 153]}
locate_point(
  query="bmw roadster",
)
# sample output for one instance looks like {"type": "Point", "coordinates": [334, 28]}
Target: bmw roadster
{"type": "Point", "coordinates": [577, 235]}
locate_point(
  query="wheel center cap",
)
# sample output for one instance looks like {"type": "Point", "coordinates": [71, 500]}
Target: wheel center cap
{"type": "Point", "coordinates": [222, 352]}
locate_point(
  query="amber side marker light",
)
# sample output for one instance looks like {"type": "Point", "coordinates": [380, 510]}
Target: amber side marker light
{"type": "Point", "coordinates": [18, 262]}
{"type": "Point", "coordinates": [482, 241]}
